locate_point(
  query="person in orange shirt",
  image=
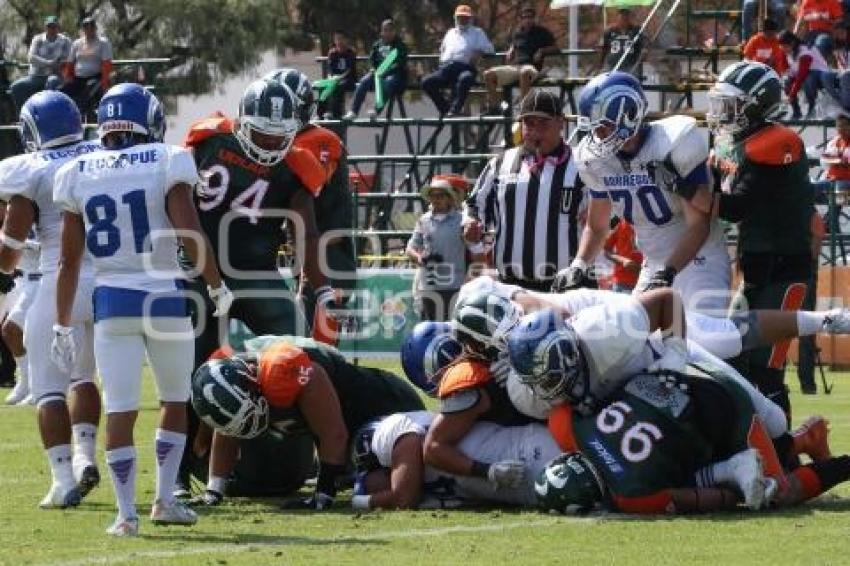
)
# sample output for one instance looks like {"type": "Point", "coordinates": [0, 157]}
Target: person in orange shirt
{"type": "Point", "coordinates": [820, 17]}
{"type": "Point", "coordinates": [836, 155]}
{"type": "Point", "coordinates": [764, 48]}
{"type": "Point", "coordinates": [621, 250]}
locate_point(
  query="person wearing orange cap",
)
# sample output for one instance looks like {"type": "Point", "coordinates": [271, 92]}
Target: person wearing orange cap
{"type": "Point", "coordinates": [461, 47]}
{"type": "Point", "coordinates": [261, 401]}
{"type": "Point", "coordinates": [438, 248]}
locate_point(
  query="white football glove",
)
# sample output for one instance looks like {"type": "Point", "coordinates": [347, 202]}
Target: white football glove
{"type": "Point", "coordinates": [506, 474]}
{"type": "Point", "coordinates": [326, 300]}
{"type": "Point", "coordinates": [63, 351]}
{"type": "Point", "coordinates": [674, 358]}
{"type": "Point", "coordinates": [222, 298]}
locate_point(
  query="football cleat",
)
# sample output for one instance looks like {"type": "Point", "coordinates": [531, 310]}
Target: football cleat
{"type": "Point", "coordinates": [124, 527]}
{"type": "Point", "coordinates": [748, 472]}
{"type": "Point", "coordinates": [181, 490]}
{"type": "Point", "coordinates": [19, 393]}
{"type": "Point", "coordinates": [209, 498]}
{"type": "Point", "coordinates": [812, 438]}
{"type": "Point", "coordinates": [89, 479]}
{"type": "Point", "coordinates": [174, 513]}
{"type": "Point", "coordinates": [837, 321]}
{"type": "Point", "coordinates": [58, 498]}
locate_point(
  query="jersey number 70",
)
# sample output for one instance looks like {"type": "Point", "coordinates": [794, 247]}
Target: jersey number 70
{"type": "Point", "coordinates": [104, 238]}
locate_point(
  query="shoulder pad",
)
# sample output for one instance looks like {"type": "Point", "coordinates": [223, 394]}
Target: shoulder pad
{"type": "Point", "coordinates": [283, 371]}
{"type": "Point", "coordinates": [318, 140]}
{"type": "Point", "coordinates": [675, 127]}
{"type": "Point", "coordinates": [465, 374]}
{"type": "Point", "coordinates": [561, 428]}
{"type": "Point", "coordinates": [203, 129]}
{"type": "Point", "coordinates": [774, 145]}
{"type": "Point", "coordinates": [307, 169]}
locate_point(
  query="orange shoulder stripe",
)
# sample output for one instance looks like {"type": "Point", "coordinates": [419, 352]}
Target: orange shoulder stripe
{"type": "Point", "coordinates": [206, 128]}
{"type": "Point", "coordinates": [774, 145]}
{"type": "Point", "coordinates": [307, 168]}
{"type": "Point", "coordinates": [461, 375]}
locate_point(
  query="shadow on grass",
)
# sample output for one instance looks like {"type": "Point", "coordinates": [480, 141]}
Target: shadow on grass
{"type": "Point", "coordinates": [176, 534]}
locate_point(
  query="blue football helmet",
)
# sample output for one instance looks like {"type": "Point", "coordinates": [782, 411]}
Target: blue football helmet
{"type": "Point", "coordinates": [546, 354]}
{"type": "Point", "coordinates": [50, 119]}
{"type": "Point", "coordinates": [364, 458]}
{"type": "Point", "coordinates": [612, 107]}
{"type": "Point", "coordinates": [426, 351]}
{"type": "Point", "coordinates": [132, 112]}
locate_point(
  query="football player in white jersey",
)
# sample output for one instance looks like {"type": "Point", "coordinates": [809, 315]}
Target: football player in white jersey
{"type": "Point", "coordinates": [127, 205]}
{"type": "Point", "coordinates": [388, 457]}
{"type": "Point", "coordinates": [53, 133]}
{"type": "Point", "coordinates": [627, 166]}
{"type": "Point", "coordinates": [18, 302]}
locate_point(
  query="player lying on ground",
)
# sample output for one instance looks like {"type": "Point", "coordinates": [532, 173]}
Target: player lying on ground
{"type": "Point", "coordinates": [53, 134]}
{"type": "Point", "coordinates": [392, 474]}
{"type": "Point", "coordinates": [292, 384]}
{"type": "Point", "coordinates": [690, 444]}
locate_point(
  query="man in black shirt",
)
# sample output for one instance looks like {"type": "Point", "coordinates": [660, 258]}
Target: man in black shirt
{"type": "Point", "coordinates": [529, 45]}
{"type": "Point", "coordinates": [616, 40]}
{"type": "Point", "coordinates": [342, 62]}
{"type": "Point", "coordinates": [393, 78]}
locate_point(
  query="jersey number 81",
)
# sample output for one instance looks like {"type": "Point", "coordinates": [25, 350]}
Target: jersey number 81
{"type": "Point", "coordinates": [104, 238]}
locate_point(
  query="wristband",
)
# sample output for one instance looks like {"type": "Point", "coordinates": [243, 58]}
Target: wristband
{"type": "Point", "coordinates": [10, 242]}
{"type": "Point", "coordinates": [480, 469]}
{"type": "Point", "coordinates": [580, 263]}
{"type": "Point", "coordinates": [361, 502]}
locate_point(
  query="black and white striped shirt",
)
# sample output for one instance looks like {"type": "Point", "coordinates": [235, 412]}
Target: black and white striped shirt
{"type": "Point", "coordinates": [533, 207]}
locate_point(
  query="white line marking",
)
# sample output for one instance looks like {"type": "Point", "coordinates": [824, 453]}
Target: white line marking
{"type": "Point", "coordinates": [233, 548]}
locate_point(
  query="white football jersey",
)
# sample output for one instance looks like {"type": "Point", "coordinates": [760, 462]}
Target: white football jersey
{"type": "Point", "coordinates": [121, 196]}
{"type": "Point", "coordinates": [32, 176]}
{"type": "Point", "coordinates": [640, 188]}
{"type": "Point", "coordinates": [486, 442]}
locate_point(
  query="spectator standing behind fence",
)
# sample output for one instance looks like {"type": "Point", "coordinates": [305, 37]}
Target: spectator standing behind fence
{"type": "Point", "coordinates": [47, 52]}
{"type": "Point", "coordinates": [777, 10]}
{"type": "Point", "coordinates": [618, 38]}
{"type": "Point", "coordinates": [531, 197]}
{"type": "Point", "coordinates": [459, 52]}
{"type": "Point", "coordinates": [820, 18]}
{"type": "Point", "coordinates": [530, 44]}
{"type": "Point", "coordinates": [764, 47]}
{"type": "Point", "coordinates": [621, 250]}
{"type": "Point", "coordinates": [88, 67]}
{"type": "Point", "coordinates": [805, 67]}
{"type": "Point", "coordinates": [342, 64]}
{"type": "Point", "coordinates": [393, 76]}
{"type": "Point", "coordinates": [438, 248]}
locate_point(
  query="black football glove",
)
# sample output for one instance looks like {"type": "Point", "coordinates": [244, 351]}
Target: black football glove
{"type": "Point", "coordinates": [662, 278]}
{"type": "Point", "coordinates": [574, 277]}
{"type": "Point", "coordinates": [7, 282]}
{"type": "Point", "coordinates": [317, 502]}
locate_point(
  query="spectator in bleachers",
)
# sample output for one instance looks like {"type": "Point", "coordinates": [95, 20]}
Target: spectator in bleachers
{"type": "Point", "coordinates": [777, 10]}
{"type": "Point", "coordinates": [618, 38]}
{"type": "Point", "coordinates": [621, 250]}
{"type": "Point", "coordinates": [459, 52]}
{"type": "Point", "coordinates": [47, 52]}
{"type": "Point", "coordinates": [805, 67]}
{"type": "Point", "coordinates": [393, 76]}
{"type": "Point", "coordinates": [764, 47]}
{"type": "Point", "coordinates": [342, 63]}
{"type": "Point", "coordinates": [88, 67]}
{"type": "Point", "coordinates": [524, 60]}
{"type": "Point", "coordinates": [438, 248]}
{"type": "Point", "coordinates": [820, 18]}
{"type": "Point", "coordinates": [836, 155]}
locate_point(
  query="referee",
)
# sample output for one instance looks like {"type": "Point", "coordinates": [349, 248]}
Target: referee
{"type": "Point", "coordinates": [530, 196]}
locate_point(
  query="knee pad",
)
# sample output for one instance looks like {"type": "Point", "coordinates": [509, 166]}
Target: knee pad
{"type": "Point", "coordinates": [48, 398]}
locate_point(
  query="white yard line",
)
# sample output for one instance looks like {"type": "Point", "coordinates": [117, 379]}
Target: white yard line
{"type": "Point", "coordinates": [233, 548]}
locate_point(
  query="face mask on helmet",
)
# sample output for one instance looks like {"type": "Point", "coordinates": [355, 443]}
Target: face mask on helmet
{"type": "Point", "coordinates": [364, 458]}
{"type": "Point", "coordinates": [557, 369]}
{"type": "Point", "coordinates": [569, 484]}
{"type": "Point", "coordinates": [482, 324]}
{"type": "Point", "coordinates": [727, 108]}
{"type": "Point", "coordinates": [267, 123]}
{"type": "Point", "coordinates": [227, 398]}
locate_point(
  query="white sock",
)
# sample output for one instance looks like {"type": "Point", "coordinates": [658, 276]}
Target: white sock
{"type": "Point", "coordinates": [810, 322]}
{"type": "Point", "coordinates": [23, 370]}
{"type": "Point", "coordinates": [85, 442]}
{"type": "Point", "coordinates": [169, 451]}
{"type": "Point", "coordinates": [122, 470]}
{"type": "Point", "coordinates": [715, 474]}
{"type": "Point", "coordinates": [217, 484]}
{"type": "Point", "coordinates": [60, 465]}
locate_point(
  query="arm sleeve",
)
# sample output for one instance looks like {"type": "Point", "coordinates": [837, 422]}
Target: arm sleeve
{"type": "Point", "coordinates": [63, 188]}
{"type": "Point", "coordinates": [479, 203]}
{"type": "Point", "coordinates": [689, 158]}
{"type": "Point", "coordinates": [752, 187]}
{"type": "Point", "coordinates": [750, 48]}
{"type": "Point", "coordinates": [34, 57]}
{"type": "Point", "coordinates": [415, 242]}
{"type": "Point", "coordinates": [18, 176]}
{"type": "Point", "coordinates": [181, 167]}
{"type": "Point", "coordinates": [802, 72]}
{"type": "Point", "coordinates": [485, 45]}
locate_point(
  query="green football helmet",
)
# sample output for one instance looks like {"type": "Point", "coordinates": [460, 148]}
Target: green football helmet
{"type": "Point", "coordinates": [745, 94]}
{"type": "Point", "coordinates": [226, 396]}
{"type": "Point", "coordinates": [569, 484]}
{"type": "Point", "coordinates": [482, 322]}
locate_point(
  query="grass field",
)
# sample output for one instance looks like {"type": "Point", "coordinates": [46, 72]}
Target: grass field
{"type": "Point", "coordinates": [256, 532]}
